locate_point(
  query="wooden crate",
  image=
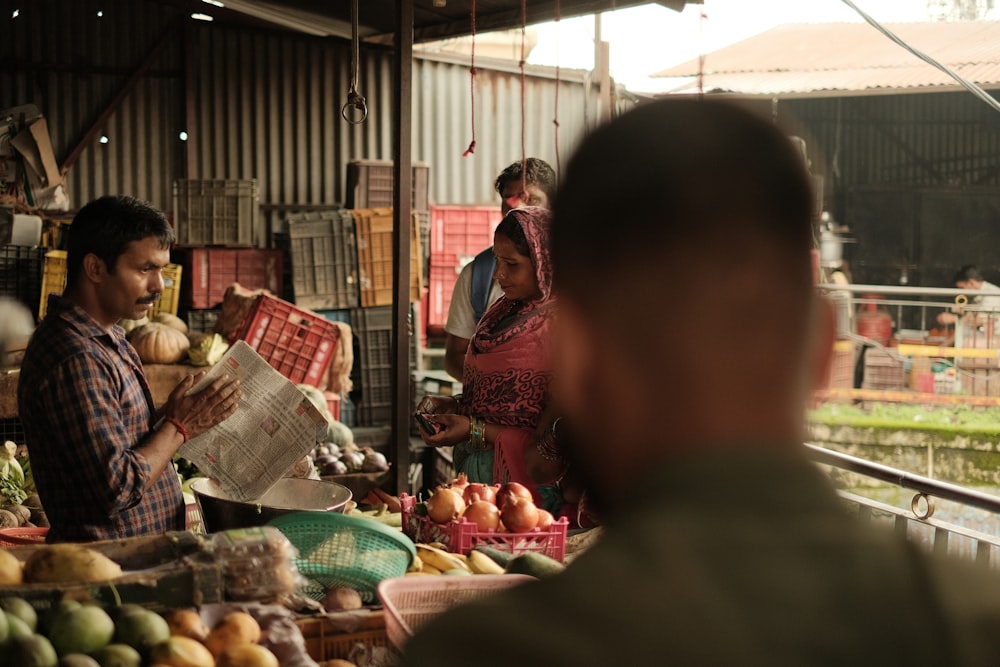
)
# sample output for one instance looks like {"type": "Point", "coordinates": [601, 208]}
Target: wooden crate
{"type": "Point", "coordinates": [343, 635]}
{"type": "Point", "coordinates": [186, 574]}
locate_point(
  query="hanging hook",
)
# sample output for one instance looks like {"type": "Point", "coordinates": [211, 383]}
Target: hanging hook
{"type": "Point", "coordinates": [355, 100]}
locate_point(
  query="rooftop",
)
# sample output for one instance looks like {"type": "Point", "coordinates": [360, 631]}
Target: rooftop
{"type": "Point", "coordinates": [824, 59]}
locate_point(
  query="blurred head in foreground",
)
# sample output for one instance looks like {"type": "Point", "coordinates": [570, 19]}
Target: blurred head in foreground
{"type": "Point", "coordinates": [687, 313]}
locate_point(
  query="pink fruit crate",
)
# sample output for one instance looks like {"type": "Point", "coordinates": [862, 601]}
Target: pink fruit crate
{"type": "Point", "coordinates": [410, 602]}
{"type": "Point", "coordinates": [463, 536]}
{"type": "Point", "coordinates": [298, 343]}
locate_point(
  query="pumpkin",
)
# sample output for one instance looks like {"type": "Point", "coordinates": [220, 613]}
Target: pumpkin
{"type": "Point", "coordinates": [171, 321]}
{"type": "Point", "coordinates": [160, 344]}
{"type": "Point", "coordinates": [131, 325]}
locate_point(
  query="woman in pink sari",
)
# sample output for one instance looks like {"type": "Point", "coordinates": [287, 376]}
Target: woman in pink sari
{"type": "Point", "coordinates": [507, 370]}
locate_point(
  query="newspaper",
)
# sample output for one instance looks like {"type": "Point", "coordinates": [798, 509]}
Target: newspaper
{"type": "Point", "coordinates": [274, 426]}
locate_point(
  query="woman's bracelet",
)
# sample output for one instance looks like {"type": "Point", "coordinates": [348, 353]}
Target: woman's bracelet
{"type": "Point", "coordinates": [548, 444]}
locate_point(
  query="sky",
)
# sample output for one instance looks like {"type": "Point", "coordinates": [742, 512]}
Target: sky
{"type": "Point", "coordinates": [647, 39]}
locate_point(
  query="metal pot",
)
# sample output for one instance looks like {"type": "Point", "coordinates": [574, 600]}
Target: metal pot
{"type": "Point", "coordinates": [289, 494]}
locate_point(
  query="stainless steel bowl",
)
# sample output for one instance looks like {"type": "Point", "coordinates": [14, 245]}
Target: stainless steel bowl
{"type": "Point", "coordinates": [289, 494]}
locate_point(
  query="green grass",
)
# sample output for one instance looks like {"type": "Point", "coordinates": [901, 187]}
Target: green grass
{"type": "Point", "coordinates": [954, 420]}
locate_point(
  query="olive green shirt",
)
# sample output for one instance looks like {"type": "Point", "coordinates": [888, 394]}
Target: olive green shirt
{"type": "Point", "coordinates": [737, 558]}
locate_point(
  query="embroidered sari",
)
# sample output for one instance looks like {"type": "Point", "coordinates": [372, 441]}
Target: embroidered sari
{"type": "Point", "coordinates": [508, 371]}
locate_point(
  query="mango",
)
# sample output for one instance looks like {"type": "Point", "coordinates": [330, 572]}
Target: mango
{"type": "Point", "coordinates": [246, 655]}
{"type": "Point", "coordinates": [78, 660]}
{"type": "Point", "coordinates": [22, 609]}
{"type": "Point", "coordinates": [236, 627]}
{"type": "Point", "coordinates": [31, 651]}
{"type": "Point", "coordinates": [10, 569]}
{"type": "Point", "coordinates": [68, 563]}
{"type": "Point", "coordinates": [82, 630]}
{"type": "Point", "coordinates": [181, 652]}
{"type": "Point", "coordinates": [141, 629]}
{"type": "Point", "coordinates": [117, 655]}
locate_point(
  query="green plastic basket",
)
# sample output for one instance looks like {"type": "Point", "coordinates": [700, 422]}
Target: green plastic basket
{"type": "Point", "coordinates": [340, 550]}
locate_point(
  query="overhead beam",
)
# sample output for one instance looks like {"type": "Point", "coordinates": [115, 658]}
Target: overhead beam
{"type": "Point", "coordinates": [116, 102]}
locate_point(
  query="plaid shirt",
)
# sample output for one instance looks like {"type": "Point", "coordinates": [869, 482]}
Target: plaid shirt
{"type": "Point", "coordinates": [85, 404]}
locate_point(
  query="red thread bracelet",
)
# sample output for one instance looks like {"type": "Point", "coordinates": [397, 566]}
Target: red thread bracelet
{"type": "Point", "coordinates": [179, 426]}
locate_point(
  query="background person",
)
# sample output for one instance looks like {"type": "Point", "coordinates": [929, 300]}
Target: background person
{"type": "Point", "coordinates": [987, 297]}
{"type": "Point", "coordinates": [475, 290]}
{"type": "Point", "coordinates": [101, 463]}
{"type": "Point", "coordinates": [723, 544]}
{"type": "Point", "coordinates": [507, 366]}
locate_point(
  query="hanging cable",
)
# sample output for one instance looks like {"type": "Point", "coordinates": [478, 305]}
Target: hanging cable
{"type": "Point", "coordinates": [965, 83]}
{"type": "Point", "coordinates": [354, 99]}
{"type": "Point", "coordinates": [524, 157]}
{"type": "Point", "coordinates": [472, 84]}
{"type": "Point", "coordinates": [555, 119]}
{"type": "Point", "coordinates": [701, 52]}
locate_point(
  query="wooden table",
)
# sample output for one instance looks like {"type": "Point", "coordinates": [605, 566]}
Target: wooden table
{"type": "Point", "coordinates": [162, 379]}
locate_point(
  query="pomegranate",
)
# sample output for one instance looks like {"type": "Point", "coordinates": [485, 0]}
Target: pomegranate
{"type": "Point", "coordinates": [445, 505]}
{"type": "Point", "coordinates": [482, 491]}
{"type": "Point", "coordinates": [519, 515]}
{"type": "Point", "coordinates": [512, 489]}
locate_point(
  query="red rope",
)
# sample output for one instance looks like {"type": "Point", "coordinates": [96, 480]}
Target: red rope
{"type": "Point", "coordinates": [524, 157]}
{"type": "Point", "coordinates": [472, 85]}
{"type": "Point", "coordinates": [555, 119]}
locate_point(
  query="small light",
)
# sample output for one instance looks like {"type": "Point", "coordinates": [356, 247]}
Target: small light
{"type": "Point", "coordinates": [104, 139]}
{"type": "Point", "coordinates": [100, 13]}
{"type": "Point", "coordinates": [183, 135]}
{"type": "Point", "coordinates": [15, 14]}
{"type": "Point", "coordinates": [201, 17]}
{"type": "Point", "coordinates": [215, 3]}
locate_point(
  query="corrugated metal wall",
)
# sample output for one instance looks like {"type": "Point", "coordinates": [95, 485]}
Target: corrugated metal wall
{"type": "Point", "coordinates": [265, 105]}
{"type": "Point", "coordinates": [922, 139]}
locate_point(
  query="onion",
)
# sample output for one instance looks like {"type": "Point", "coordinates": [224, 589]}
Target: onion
{"type": "Point", "coordinates": [519, 515]}
{"type": "Point", "coordinates": [512, 489]}
{"type": "Point", "coordinates": [545, 520]}
{"type": "Point", "coordinates": [445, 505]}
{"type": "Point", "coordinates": [374, 462]}
{"type": "Point", "coordinates": [353, 461]}
{"type": "Point", "coordinates": [459, 483]}
{"type": "Point", "coordinates": [481, 492]}
{"type": "Point", "coordinates": [335, 467]}
{"type": "Point", "coordinates": [483, 513]}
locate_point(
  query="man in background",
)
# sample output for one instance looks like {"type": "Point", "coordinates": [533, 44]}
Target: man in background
{"type": "Point", "coordinates": [531, 183]}
{"type": "Point", "coordinates": [986, 297]}
{"type": "Point", "coordinates": [724, 544]}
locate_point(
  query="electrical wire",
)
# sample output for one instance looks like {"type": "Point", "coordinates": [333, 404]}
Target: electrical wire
{"type": "Point", "coordinates": [965, 83]}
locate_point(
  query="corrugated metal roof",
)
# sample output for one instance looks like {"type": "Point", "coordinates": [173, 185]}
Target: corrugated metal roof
{"type": "Point", "coordinates": [797, 59]}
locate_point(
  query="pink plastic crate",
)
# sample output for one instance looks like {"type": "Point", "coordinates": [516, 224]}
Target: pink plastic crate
{"type": "Point", "coordinates": [209, 271]}
{"type": "Point", "coordinates": [459, 233]}
{"type": "Point", "coordinates": [463, 536]}
{"type": "Point", "coordinates": [410, 602]}
{"type": "Point", "coordinates": [298, 343]}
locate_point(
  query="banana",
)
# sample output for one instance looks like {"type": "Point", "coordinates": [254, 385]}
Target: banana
{"type": "Point", "coordinates": [442, 560]}
{"type": "Point", "coordinates": [416, 566]}
{"type": "Point", "coordinates": [480, 563]}
{"type": "Point", "coordinates": [430, 569]}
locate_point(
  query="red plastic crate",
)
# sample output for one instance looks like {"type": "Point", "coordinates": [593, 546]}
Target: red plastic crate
{"type": "Point", "coordinates": [298, 343]}
{"type": "Point", "coordinates": [209, 271]}
{"type": "Point", "coordinates": [463, 536]}
{"type": "Point", "coordinates": [440, 287]}
{"type": "Point", "coordinates": [459, 233]}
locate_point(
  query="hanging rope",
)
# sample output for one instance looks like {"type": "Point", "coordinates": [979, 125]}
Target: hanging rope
{"type": "Point", "coordinates": [472, 84]}
{"type": "Point", "coordinates": [354, 99]}
{"type": "Point", "coordinates": [524, 156]}
{"type": "Point", "coordinates": [555, 119]}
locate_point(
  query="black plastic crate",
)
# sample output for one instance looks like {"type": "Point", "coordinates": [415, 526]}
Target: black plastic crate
{"type": "Point", "coordinates": [202, 320]}
{"type": "Point", "coordinates": [21, 270]}
{"type": "Point", "coordinates": [370, 185]}
{"type": "Point", "coordinates": [322, 246]}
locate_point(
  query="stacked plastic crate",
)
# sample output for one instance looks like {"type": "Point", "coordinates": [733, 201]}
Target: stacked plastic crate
{"type": "Point", "coordinates": [218, 243]}
{"type": "Point", "coordinates": [458, 234]}
{"type": "Point", "coordinates": [369, 195]}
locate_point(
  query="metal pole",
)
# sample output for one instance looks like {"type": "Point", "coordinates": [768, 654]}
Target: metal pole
{"type": "Point", "coordinates": [403, 176]}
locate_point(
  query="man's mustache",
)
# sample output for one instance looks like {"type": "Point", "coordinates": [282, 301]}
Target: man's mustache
{"type": "Point", "coordinates": [150, 299]}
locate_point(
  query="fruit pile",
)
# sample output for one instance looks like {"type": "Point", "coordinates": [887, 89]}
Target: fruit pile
{"type": "Point", "coordinates": [71, 634]}
{"type": "Point", "coordinates": [434, 559]}
{"type": "Point", "coordinates": [506, 508]}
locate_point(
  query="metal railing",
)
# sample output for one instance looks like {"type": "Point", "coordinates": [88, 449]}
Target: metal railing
{"type": "Point", "coordinates": [936, 535]}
